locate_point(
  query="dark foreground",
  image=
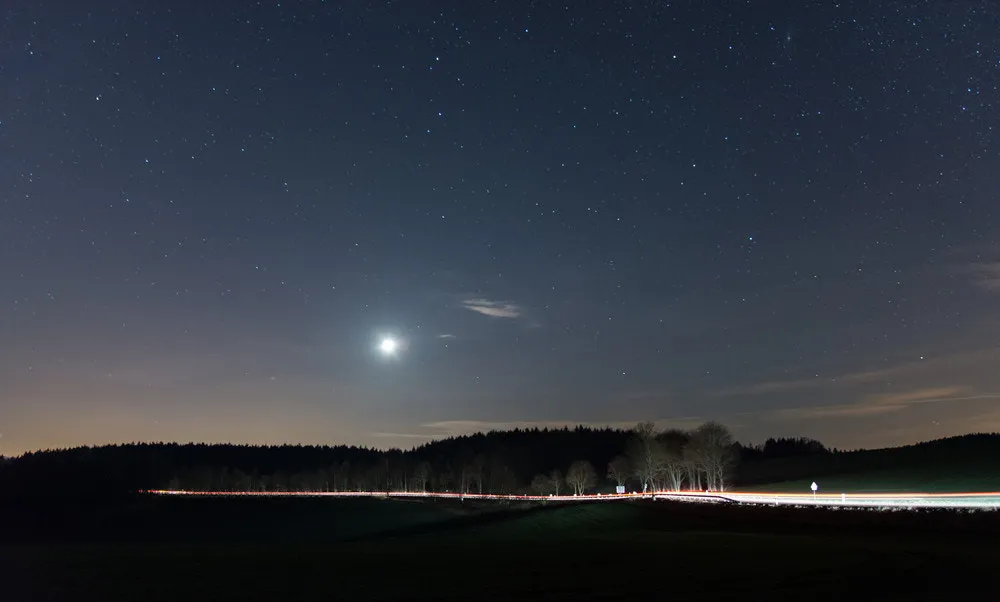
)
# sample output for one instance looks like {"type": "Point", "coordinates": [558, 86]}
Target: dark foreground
{"type": "Point", "coordinates": [325, 549]}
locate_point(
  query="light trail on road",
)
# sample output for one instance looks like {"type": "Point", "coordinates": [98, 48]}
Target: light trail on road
{"type": "Point", "coordinates": [985, 501]}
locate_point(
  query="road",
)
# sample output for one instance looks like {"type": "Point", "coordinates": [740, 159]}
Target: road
{"type": "Point", "coordinates": [859, 500]}
{"type": "Point", "coordinates": [862, 500]}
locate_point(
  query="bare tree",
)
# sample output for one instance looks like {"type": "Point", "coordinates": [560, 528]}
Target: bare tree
{"type": "Point", "coordinates": [556, 481]}
{"type": "Point", "coordinates": [445, 478]}
{"type": "Point", "coordinates": [541, 484]}
{"type": "Point", "coordinates": [691, 470]}
{"type": "Point", "coordinates": [421, 475]}
{"type": "Point", "coordinates": [477, 472]}
{"type": "Point", "coordinates": [320, 479]}
{"type": "Point", "coordinates": [464, 470]}
{"type": "Point", "coordinates": [342, 476]}
{"type": "Point", "coordinates": [496, 474]}
{"type": "Point", "coordinates": [712, 447]}
{"type": "Point", "coordinates": [645, 455]}
{"type": "Point", "coordinates": [672, 471]}
{"type": "Point", "coordinates": [581, 476]}
{"type": "Point", "coordinates": [397, 478]}
{"type": "Point", "coordinates": [549, 484]}
{"type": "Point", "coordinates": [619, 470]}
{"type": "Point", "coordinates": [503, 480]}
{"type": "Point", "coordinates": [696, 462]}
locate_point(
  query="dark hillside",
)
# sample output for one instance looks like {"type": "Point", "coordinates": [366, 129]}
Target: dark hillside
{"type": "Point", "coordinates": [971, 459]}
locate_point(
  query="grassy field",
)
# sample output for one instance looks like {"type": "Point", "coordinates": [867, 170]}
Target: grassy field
{"type": "Point", "coordinates": [957, 464]}
{"type": "Point", "coordinates": [894, 480]}
{"type": "Point", "coordinates": [394, 550]}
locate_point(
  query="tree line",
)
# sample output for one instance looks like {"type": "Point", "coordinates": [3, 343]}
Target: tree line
{"type": "Point", "coordinates": [542, 461]}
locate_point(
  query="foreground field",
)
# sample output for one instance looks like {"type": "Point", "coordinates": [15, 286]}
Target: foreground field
{"type": "Point", "coordinates": [333, 549]}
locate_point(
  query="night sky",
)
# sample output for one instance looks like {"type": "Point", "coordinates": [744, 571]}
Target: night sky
{"type": "Point", "coordinates": [779, 215]}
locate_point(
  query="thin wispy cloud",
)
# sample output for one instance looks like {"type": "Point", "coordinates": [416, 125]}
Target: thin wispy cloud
{"type": "Point", "coordinates": [446, 336]}
{"type": "Point", "coordinates": [922, 366]}
{"type": "Point", "coordinates": [881, 404]}
{"type": "Point", "coordinates": [924, 395]}
{"type": "Point", "coordinates": [774, 386]}
{"type": "Point", "coordinates": [985, 274]}
{"type": "Point", "coordinates": [402, 436]}
{"type": "Point", "coordinates": [639, 395]}
{"type": "Point", "coordinates": [493, 309]}
{"type": "Point", "coordinates": [846, 410]}
{"type": "Point", "coordinates": [781, 386]}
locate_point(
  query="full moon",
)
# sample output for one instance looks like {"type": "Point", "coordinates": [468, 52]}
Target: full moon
{"type": "Point", "coordinates": [388, 346]}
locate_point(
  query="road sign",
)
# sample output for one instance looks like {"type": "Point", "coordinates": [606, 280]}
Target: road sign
{"type": "Point", "coordinates": [814, 487]}
{"type": "Point", "coordinates": [620, 489]}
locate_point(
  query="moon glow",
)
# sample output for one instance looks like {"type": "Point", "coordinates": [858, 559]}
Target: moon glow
{"type": "Point", "coordinates": [388, 346]}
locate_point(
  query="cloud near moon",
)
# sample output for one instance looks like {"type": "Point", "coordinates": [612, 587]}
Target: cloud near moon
{"type": "Point", "coordinates": [493, 309]}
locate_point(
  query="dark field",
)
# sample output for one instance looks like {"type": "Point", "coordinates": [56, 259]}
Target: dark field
{"type": "Point", "coordinates": [324, 549]}
{"type": "Point", "coordinates": [956, 464]}
{"type": "Point", "coordinates": [894, 480]}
